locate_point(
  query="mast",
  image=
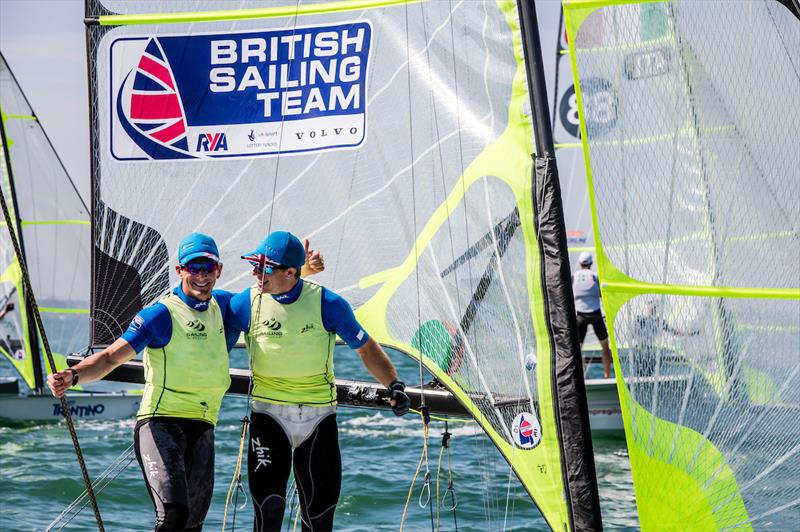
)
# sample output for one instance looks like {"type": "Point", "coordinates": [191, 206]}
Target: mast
{"type": "Point", "coordinates": [32, 336]}
{"type": "Point", "coordinates": [572, 414]}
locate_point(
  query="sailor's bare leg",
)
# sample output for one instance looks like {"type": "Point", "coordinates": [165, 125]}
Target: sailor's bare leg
{"type": "Point", "coordinates": [606, 358]}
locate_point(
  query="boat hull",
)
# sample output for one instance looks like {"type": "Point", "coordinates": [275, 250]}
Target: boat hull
{"type": "Point", "coordinates": [605, 414]}
{"type": "Point", "coordinates": [81, 406]}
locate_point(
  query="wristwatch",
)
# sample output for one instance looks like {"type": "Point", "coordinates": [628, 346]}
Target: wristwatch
{"type": "Point", "coordinates": [74, 376]}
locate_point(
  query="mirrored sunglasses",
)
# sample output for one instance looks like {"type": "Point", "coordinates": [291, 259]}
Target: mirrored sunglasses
{"type": "Point", "coordinates": [195, 268]}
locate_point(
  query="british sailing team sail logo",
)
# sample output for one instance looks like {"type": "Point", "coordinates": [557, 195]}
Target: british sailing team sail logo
{"type": "Point", "coordinates": [250, 93]}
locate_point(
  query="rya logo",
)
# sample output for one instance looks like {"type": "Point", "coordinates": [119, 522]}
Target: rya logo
{"type": "Point", "coordinates": [197, 325]}
{"type": "Point", "coordinates": [272, 324]}
{"type": "Point", "coordinates": [212, 142]}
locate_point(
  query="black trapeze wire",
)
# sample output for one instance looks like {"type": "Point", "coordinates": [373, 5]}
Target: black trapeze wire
{"type": "Point", "coordinates": [423, 407]}
{"type": "Point", "coordinates": [28, 292]}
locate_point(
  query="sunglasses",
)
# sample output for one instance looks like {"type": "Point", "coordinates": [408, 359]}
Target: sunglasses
{"type": "Point", "coordinates": [195, 268]}
{"type": "Point", "coordinates": [268, 268]}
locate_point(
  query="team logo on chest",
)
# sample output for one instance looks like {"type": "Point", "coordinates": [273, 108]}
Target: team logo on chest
{"type": "Point", "coordinates": [271, 327]}
{"type": "Point", "coordinates": [197, 330]}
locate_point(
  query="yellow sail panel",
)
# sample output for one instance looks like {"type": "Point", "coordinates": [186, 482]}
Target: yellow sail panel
{"type": "Point", "coordinates": [691, 162]}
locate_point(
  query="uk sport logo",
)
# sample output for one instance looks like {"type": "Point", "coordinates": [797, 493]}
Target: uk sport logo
{"type": "Point", "coordinates": [526, 431]}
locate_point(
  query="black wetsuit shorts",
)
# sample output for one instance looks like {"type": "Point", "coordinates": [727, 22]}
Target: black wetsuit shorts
{"type": "Point", "coordinates": [177, 460]}
{"type": "Point", "coordinates": [317, 471]}
{"type": "Point", "coordinates": [595, 319]}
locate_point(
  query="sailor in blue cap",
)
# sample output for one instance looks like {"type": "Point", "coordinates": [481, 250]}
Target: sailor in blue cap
{"type": "Point", "coordinates": [291, 326]}
{"type": "Point", "coordinates": [186, 338]}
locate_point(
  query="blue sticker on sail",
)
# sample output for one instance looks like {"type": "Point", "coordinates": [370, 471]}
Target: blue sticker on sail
{"type": "Point", "coordinates": [239, 94]}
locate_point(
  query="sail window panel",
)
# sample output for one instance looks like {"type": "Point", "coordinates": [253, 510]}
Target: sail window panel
{"type": "Point", "coordinates": [67, 332]}
{"type": "Point", "coordinates": [679, 136]}
{"type": "Point", "coordinates": [58, 263]}
{"type": "Point", "coordinates": [699, 364]}
{"type": "Point", "coordinates": [474, 319]}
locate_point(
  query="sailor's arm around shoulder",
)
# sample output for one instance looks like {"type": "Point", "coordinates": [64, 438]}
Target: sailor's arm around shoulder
{"type": "Point", "coordinates": [92, 368]}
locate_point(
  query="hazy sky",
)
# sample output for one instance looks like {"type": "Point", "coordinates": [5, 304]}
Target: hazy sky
{"type": "Point", "coordinates": [43, 42]}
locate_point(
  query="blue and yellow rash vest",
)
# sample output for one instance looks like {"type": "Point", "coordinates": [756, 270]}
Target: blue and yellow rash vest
{"type": "Point", "coordinates": [186, 376]}
{"type": "Point", "coordinates": [291, 338]}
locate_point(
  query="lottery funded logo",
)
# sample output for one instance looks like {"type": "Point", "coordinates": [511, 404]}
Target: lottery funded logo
{"type": "Point", "coordinates": [254, 93]}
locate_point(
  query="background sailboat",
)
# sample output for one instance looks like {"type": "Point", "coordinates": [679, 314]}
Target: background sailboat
{"type": "Point", "coordinates": [53, 227]}
{"type": "Point", "coordinates": [605, 414]}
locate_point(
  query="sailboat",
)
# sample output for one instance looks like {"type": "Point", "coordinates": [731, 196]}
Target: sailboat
{"type": "Point", "coordinates": [605, 414]}
{"type": "Point", "coordinates": [690, 138]}
{"type": "Point", "coordinates": [53, 227]}
{"type": "Point", "coordinates": [398, 137]}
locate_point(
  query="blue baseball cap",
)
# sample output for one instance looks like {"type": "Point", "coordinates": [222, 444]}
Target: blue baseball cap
{"type": "Point", "coordinates": [280, 248]}
{"type": "Point", "coordinates": [195, 246]}
{"type": "Point", "coordinates": [585, 258]}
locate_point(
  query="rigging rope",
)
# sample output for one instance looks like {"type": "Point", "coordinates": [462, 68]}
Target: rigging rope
{"type": "Point", "coordinates": [28, 292]}
{"type": "Point", "coordinates": [450, 489]}
{"type": "Point", "coordinates": [116, 468]}
{"type": "Point", "coordinates": [236, 481]}
{"type": "Point", "coordinates": [256, 302]}
{"type": "Point", "coordinates": [293, 490]}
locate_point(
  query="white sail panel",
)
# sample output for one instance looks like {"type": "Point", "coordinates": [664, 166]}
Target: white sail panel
{"type": "Point", "coordinates": [424, 211]}
{"type": "Point", "coordinates": [55, 234]}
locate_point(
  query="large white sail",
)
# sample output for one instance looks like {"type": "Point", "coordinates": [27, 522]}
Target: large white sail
{"type": "Point", "coordinates": [397, 136]}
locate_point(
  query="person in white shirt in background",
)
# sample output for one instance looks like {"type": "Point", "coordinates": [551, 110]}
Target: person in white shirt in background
{"type": "Point", "coordinates": [586, 288]}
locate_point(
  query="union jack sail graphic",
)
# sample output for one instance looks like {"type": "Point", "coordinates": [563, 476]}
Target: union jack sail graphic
{"type": "Point", "coordinates": [155, 107]}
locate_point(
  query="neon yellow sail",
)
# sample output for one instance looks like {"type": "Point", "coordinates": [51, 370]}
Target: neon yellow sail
{"type": "Point", "coordinates": [691, 154]}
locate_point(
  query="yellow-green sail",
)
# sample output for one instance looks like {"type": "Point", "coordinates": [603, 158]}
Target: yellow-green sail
{"type": "Point", "coordinates": [689, 125]}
